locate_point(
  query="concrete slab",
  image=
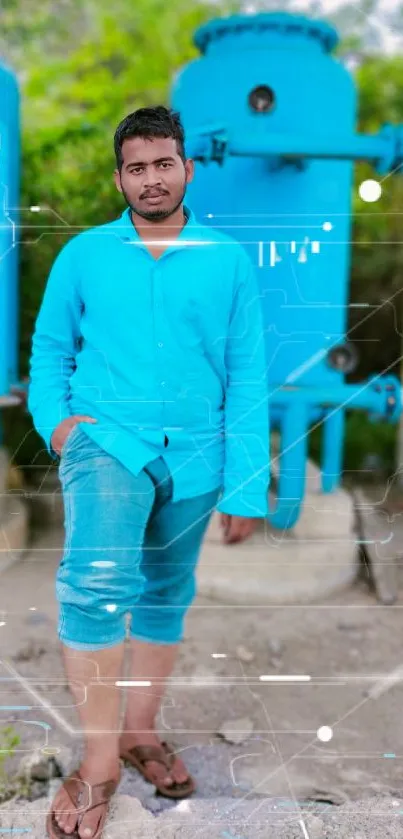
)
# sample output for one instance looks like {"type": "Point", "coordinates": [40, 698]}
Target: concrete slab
{"type": "Point", "coordinates": [13, 532]}
{"type": "Point", "coordinates": [13, 519]}
{"type": "Point", "coordinates": [317, 557]}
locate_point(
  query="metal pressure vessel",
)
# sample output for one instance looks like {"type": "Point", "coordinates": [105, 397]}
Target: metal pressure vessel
{"type": "Point", "coordinates": [269, 116]}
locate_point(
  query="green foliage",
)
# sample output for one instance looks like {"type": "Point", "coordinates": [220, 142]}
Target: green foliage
{"type": "Point", "coordinates": [362, 438]}
{"type": "Point", "coordinates": [83, 67]}
{"type": "Point", "coordinates": [9, 786]}
{"type": "Point", "coordinates": [80, 73]}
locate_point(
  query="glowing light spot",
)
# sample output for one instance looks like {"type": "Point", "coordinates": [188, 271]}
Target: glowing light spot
{"type": "Point", "coordinates": [370, 190]}
{"type": "Point", "coordinates": [325, 733]}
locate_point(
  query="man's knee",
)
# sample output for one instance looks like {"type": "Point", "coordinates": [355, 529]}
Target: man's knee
{"type": "Point", "coordinates": [159, 615]}
{"type": "Point", "coordinates": [91, 628]}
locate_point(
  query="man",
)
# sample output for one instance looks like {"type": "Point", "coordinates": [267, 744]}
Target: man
{"type": "Point", "coordinates": [148, 381]}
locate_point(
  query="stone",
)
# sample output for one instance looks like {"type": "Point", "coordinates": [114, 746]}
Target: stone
{"type": "Point", "coordinates": [276, 646]}
{"type": "Point", "coordinates": [38, 767]}
{"type": "Point", "coordinates": [236, 731]}
{"type": "Point", "coordinates": [38, 789]}
{"type": "Point", "coordinates": [31, 650]}
{"type": "Point", "coordinates": [244, 654]}
{"type": "Point", "coordinates": [67, 760]}
{"type": "Point", "coordinates": [314, 826]}
{"type": "Point", "coordinates": [153, 804]}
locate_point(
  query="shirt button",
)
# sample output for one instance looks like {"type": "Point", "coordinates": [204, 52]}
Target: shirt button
{"type": "Point", "coordinates": [160, 344]}
{"type": "Point", "coordinates": [163, 384]}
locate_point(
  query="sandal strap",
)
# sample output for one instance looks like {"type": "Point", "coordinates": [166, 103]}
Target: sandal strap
{"type": "Point", "coordinates": [87, 796]}
{"type": "Point", "coordinates": [155, 753]}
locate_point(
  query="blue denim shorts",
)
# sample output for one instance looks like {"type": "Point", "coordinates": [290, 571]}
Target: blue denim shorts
{"type": "Point", "coordinates": [129, 550]}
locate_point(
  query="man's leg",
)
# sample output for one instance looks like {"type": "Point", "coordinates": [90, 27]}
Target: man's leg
{"type": "Point", "coordinates": [98, 579]}
{"type": "Point", "coordinates": [172, 545]}
{"type": "Point", "coordinates": [91, 676]}
{"type": "Point", "coordinates": [154, 663]}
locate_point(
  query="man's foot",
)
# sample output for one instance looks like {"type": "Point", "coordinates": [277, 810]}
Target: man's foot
{"type": "Point", "coordinates": [66, 815]}
{"type": "Point", "coordinates": [177, 774]}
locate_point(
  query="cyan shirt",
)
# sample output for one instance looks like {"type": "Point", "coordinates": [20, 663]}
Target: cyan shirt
{"type": "Point", "coordinates": [154, 349]}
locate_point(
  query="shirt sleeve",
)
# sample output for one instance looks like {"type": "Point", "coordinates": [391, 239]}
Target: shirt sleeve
{"type": "Point", "coordinates": [54, 347]}
{"type": "Point", "coordinates": [247, 446]}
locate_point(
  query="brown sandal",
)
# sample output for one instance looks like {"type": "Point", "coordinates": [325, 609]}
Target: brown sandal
{"type": "Point", "coordinates": [137, 756]}
{"type": "Point", "coordinates": [84, 797]}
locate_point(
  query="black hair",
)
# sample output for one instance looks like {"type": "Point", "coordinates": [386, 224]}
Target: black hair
{"type": "Point", "coordinates": [149, 122]}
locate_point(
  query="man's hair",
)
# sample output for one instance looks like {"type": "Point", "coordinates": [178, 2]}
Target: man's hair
{"type": "Point", "coordinates": [150, 122]}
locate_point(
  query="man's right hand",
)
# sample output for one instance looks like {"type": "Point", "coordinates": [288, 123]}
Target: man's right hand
{"type": "Point", "coordinates": [63, 430]}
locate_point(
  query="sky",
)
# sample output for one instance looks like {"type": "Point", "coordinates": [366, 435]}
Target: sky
{"type": "Point", "coordinates": [391, 42]}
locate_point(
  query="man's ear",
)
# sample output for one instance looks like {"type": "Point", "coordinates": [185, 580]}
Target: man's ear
{"type": "Point", "coordinates": [189, 168]}
{"type": "Point", "coordinates": [116, 176]}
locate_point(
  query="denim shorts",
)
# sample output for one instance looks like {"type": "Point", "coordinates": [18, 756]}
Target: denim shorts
{"type": "Point", "coordinates": [130, 553]}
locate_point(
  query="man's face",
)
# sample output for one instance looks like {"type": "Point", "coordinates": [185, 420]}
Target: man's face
{"type": "Point", "coordinates": [153, 177]}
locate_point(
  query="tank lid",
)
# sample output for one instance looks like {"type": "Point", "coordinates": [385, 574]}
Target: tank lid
{"type": "Point", "coordinates": [283, 23]}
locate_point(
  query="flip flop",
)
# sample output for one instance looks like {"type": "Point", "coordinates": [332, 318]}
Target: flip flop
{"type": "Point", "coordinates": [137, 756]}
{"type": "Point", "coordinates": [84, 797]}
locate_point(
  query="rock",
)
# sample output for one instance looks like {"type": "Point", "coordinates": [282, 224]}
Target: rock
{"type": "Point", "coordinates": [236, 731]}
{"type": "Point", "coordinates": [38, 767]}
{"type": "Point", "coordinates": [315, 827]}
{"type": "Point", "coordinates": [244, 654]}
{"type": "Point", "coordinates": [276, 646]}
{"type": "Point", "coordinates": [66, 760]}
{"type": "Point", "coordinates": [31, 650]}
{"type": "Point", "coordinates": [153, 804]}
{"type": "Point", "coordinates": [38, 789]}
{"type": "Point", "coordinates": [335, 796]}
{"type": "Point", "coordinates": [349, 627]}
{"type": "Point", "coordinates": [53, 786]}
{"type": "Point", "coordinates": [126, 819]}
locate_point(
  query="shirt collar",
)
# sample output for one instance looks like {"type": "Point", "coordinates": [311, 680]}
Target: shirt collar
{"type": "Point", "coordinates": [192, 231]}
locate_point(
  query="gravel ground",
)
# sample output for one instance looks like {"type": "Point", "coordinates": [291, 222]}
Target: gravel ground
{"type": "Point", "coordinates": [280, 779]}
{"type": "Point", "coordinates": [370, 818]}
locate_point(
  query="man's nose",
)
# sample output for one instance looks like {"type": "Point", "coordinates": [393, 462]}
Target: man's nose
{"type": "Point", "coordinates": [153, 178]}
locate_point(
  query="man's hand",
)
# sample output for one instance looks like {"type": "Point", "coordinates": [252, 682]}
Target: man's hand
{"type": "Point", "coordinates": [64, 428]}
{"type": "Point", "coordinates": [236, 528]}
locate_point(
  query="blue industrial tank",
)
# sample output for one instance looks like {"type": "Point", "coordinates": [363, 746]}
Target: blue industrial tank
{"type": "Point", "coordinates": [9, 234]}
{"type": "Point", "coordinates": [270, 117]}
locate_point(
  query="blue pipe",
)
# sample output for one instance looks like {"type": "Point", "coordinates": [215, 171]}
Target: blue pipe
{"type": "Point", "coordinates": [293, 456]}
{"type": "Point", "coordinates": [380, 394]}
{"type": "Point", "coordinates": [383, 150]}
{"type": "Point", "coordinates": [332, 449]}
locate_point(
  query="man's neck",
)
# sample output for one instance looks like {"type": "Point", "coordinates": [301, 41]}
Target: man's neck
{"type": "Point", "coordinates": [167, 228]}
